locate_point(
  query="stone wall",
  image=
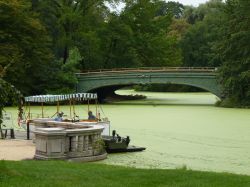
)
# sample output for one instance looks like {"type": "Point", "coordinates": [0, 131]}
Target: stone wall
{"type": "Point", "coordinates": [71, 143]}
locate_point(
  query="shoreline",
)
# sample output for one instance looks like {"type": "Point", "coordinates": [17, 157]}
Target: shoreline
{"type": "Point", "coordinates": [21, 150]}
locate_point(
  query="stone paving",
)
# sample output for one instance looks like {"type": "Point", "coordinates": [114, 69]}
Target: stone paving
{"type": "Point", "coordinates": [16, 149]}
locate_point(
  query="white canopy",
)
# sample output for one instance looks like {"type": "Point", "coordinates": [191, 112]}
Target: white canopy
{"type": "Point", "coordinates": [55, 98]}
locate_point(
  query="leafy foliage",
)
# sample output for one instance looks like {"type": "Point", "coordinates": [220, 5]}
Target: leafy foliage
{"type": "Point", "coordinates": [140, 36]}
{"type": "Point", "coordinates": [235, 52]}
{"type": "Point", "coordinates": [7, 94]}
{"type": "Point", "coordinates": [174, 8]}
{"type": "Point", "coordinates": [44, 42]}
{"type": "Point", "coordinates": [24, 43]}
{"type": "Point", "coordinates": [199, 42]}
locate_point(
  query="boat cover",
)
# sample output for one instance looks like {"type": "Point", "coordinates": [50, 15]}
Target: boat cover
{"type": "Point", "coordinates": [65, 97]}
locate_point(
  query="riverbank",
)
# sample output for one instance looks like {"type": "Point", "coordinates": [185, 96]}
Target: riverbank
{"type": "Point", "coordinates": [60, 173]}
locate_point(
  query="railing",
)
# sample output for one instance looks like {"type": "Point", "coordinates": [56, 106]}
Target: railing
{"type": "Point", "coordinates": [68, 141]}
{"type": "Point", "coordinates": [151, 69]}
{"type": "Point", "coordinates": [82, 144]}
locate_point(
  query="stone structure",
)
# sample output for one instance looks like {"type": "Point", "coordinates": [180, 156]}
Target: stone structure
{"type": "Point", "coordinates": [205, 78]}
{"type": "Point", "coordinates": [50, 143]}
{"type": "Point", "coordinates": [66, 140]}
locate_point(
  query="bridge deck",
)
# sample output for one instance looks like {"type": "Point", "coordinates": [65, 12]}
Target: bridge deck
{"type": "Point", "coordinates": [151, 69]}
{"type": "Point", "coordinates": [108, 79]}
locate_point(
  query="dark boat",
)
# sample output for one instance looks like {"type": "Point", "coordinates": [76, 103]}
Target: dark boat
{"type": "Point", "coordinates": [117, 144]}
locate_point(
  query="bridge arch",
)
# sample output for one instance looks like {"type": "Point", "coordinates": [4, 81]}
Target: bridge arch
{"type": "Point", "coordinates": [111, 80]}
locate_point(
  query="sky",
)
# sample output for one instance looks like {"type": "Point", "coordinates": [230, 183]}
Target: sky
{"type": "Point", "coordinates": [191, 2]}
{"type": "Point", "coordinates": [184, 2]}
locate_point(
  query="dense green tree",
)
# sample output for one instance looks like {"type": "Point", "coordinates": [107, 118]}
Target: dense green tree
{"type": "Point", "coordinates": [73, 26]}
{"type": "Point", "coordinates": [118, 44]}
{"type": "Point", "coordinates": [176, 9]}
{"type": "Point", "coordinates": [135, 37]}
{"type": "Point", "coordinates": [199, 42]}
{"type": "Point", "coordinates": [176, 32]}
{"type": "Point", "coordinates": [193, 15]}
{"type": "Point", "coordinates": [235, 52]}
{"type": "Point", "coordinates": [44, 42]}
{"type": "Point", "coordinates": [69, 22]}
{"type": "Point", "coordinates": [8, 93]}
{"type": "Point", "coordinates": [178, 28]}
{"type": "Point", "coordinates": [64, 79]}
{"type": "Point", "coordinates": [92, 35]}
{"type": "Point", "coordinates": [150, 41]}
{"type": "Point", "coordinates": [24, 47]}
{"type": "Point", "coordinates": [61, 19]}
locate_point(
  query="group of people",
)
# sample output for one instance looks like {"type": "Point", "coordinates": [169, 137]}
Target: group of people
{"type": "Point", "coordinates": [59, 116]}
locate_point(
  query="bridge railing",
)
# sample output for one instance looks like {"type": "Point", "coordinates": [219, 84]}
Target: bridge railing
{"type": "Point", "coordinates": [151, 69]}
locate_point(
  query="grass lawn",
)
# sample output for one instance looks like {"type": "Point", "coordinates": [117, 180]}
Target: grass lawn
{"type": "Point", "coordinates": [61, 173]}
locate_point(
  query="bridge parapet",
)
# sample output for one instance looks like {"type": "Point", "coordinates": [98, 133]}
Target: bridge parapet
{"type": "Point", "coordinates": [151, 69]}
{"type": "Point", "coordinates": [202, 77]}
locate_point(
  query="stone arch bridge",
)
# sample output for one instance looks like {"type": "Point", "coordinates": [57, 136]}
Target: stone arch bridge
{"type": "Point", "coordinates": [105, 81]}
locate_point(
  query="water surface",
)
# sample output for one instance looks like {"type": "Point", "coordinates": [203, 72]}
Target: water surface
{"type": "Point", "coordinates": [179, 129]}
{"type": "Point", "coordinates": [183, 129]}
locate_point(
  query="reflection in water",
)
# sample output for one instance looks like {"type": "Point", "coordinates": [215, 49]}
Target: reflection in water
{"type": "Point", "coordinates": [182, 129]}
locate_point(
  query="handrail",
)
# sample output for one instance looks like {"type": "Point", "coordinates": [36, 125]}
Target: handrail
{"type": "Point", "coordinates": [151, 69]}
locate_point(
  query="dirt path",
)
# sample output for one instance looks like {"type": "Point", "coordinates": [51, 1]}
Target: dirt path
{"type": "Point", "coordinates": [16, 149]}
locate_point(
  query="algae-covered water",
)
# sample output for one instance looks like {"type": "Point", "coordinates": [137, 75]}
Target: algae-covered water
{"type": "Point", "coordinates": [178, 130]}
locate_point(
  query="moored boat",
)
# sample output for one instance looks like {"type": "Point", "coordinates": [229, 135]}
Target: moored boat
{"type": "Point", "coordinates": [113, 143]}
{"type": "Point", "coordinates": [116, 144]}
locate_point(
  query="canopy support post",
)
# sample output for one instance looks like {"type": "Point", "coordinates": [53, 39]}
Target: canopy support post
{"type": "Point", "coordinates": [42, 111]}
{"type": "Point", "coordinates": [57, 107]}
{"type": "Point", "coordinates": [88, 105]}
{"type": "Point", "coordinates": [70, 112]}
{"type": "Point", "coordinates": [96, 112]}
{"type": "Point", "coordinates": [74, 109]}
{"type": "Point", "coordinates": [29, 112]}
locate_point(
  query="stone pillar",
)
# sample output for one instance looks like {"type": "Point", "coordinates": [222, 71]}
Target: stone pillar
{"type": "Point", "coordinates": [90, 146]}
{"type": "Point", "coordinates": [80, 144]}
{"type": "Point", "coordinates": [50, 143]}
{"type": "Point", "coordinates": [86, 142]}
{"type": "Point", "coordinates": [67, 144]}
{"type": "Point", "coordinates": [73, 143]}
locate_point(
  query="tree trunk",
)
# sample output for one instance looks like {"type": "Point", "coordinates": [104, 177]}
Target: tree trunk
{"type": "Point", "coordinates": [1, 132]}
{"type": "Point", "coordinates": [65, 54]}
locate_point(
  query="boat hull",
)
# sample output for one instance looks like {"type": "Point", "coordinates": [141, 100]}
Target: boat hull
{"type": "Point", "coordinates": [130, 148]}
{"type": "Point", "coordinates": [113, 145]}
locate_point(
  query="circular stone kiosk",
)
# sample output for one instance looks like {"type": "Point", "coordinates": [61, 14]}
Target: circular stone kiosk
{"type": "Point", "coordinates": [68, 141]}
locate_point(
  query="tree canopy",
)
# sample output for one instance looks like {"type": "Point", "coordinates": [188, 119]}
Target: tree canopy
{"type": "Point", "coordinates": [45, 42]}
{"type": "Point", "coordinates": [235, 52]}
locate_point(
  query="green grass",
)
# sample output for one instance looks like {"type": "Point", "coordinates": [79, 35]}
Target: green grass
{"type": "Point", "coordinates": [61, 173]}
